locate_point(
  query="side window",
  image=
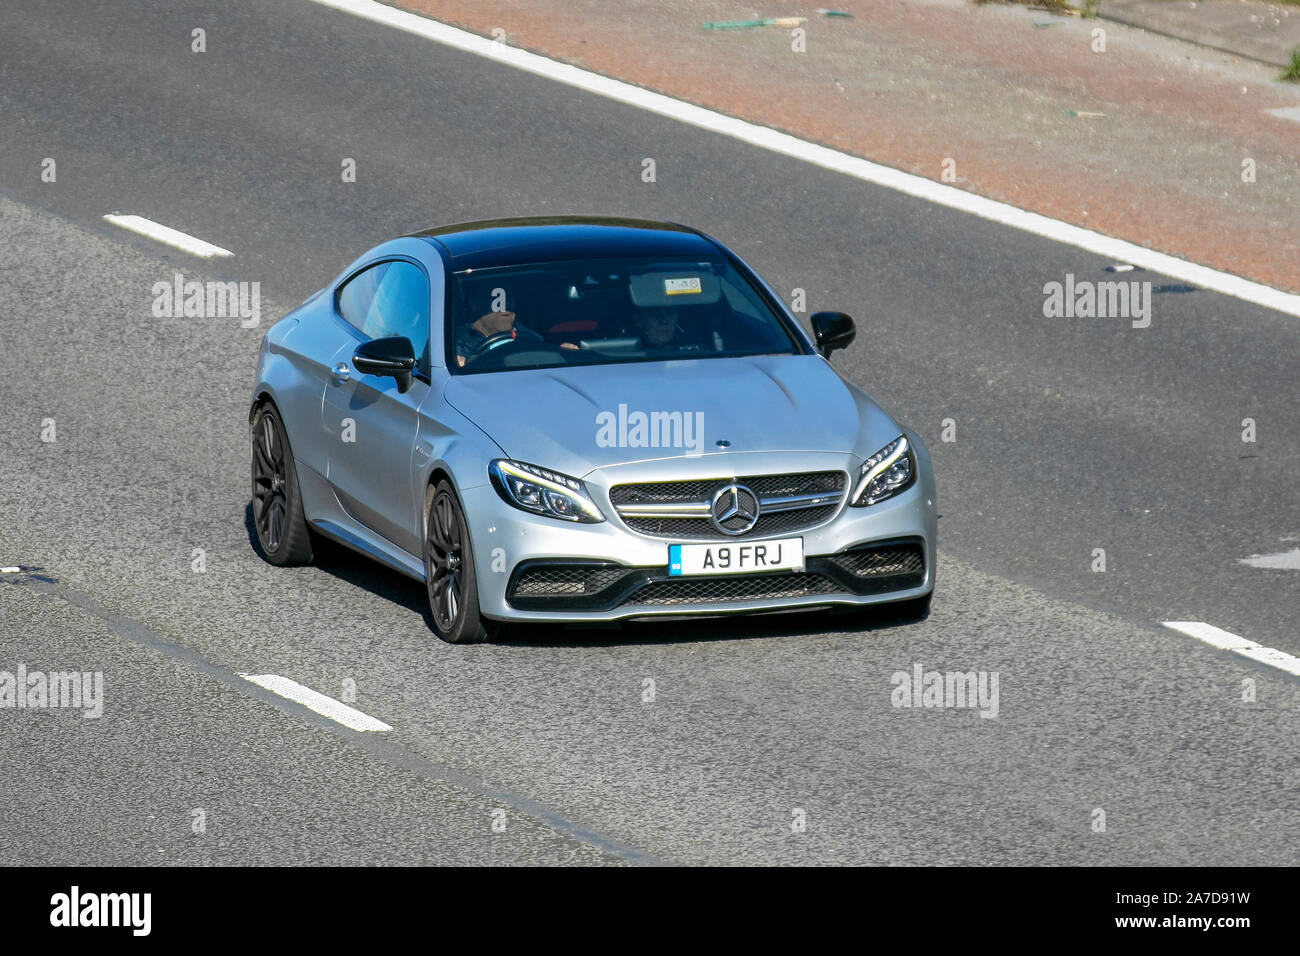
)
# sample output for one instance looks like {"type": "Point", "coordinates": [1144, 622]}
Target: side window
{"type": "Point", "coordinates": [356, 298]}
{"type": "Point", "coordinates": [401, 307]}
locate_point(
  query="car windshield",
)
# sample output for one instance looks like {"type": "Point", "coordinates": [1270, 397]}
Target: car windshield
{"type": "Point", "coordinates": [602, 311]}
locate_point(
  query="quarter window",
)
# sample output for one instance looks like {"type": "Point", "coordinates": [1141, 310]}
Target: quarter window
{"type": "Point", "coordinates": [390, 299]}
{"type": "Point", "coordinates": [357, 296]}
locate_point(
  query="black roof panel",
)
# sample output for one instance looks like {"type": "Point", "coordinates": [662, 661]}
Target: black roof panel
{"type": "Point", "coordinates": [500, 242]}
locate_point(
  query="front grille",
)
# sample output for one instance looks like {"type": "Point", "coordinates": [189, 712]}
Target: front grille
{"type": "Point", "coordinates": [718, 590]}
{"type": "Point", "coordinates": [778, 522]}
{"type": "Point", "coordinates": [663, 491]}
{"type": "Point", "coordinates": [700, 492]}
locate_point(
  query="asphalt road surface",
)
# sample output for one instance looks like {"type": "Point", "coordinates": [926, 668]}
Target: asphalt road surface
{"type": "Point", "coordinates": [770, 740]}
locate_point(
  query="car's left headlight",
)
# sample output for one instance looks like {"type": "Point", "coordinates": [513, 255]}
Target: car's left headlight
{"type": "Point", "coordinates": [885, 474]}
{"type": "Point", "coordinates": [542, 491]}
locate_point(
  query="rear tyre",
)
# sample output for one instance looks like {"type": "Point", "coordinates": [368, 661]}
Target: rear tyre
{"type": "Point", "coordinates": [449, 572]}
{"type": "Point", "coordinates": [277, 500]}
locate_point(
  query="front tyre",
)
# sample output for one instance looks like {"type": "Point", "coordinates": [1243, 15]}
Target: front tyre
{"type": "Point", "coordinates": [449, 572]}
{"type": "Point", "coordinates": [277, 500]}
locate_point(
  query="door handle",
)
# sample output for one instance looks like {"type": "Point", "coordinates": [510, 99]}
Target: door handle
{"type": "Point", "coordinates": [341, 372]}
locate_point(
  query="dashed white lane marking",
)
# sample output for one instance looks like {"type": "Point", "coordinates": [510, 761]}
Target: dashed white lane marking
{"type": "Point", "coordinates": [1227, 641]}
{"type": "Point", "coordinates": [325, 706]}
{"type": "Point", "coordinates": [1289, 560]}
{"type": "Point", "coordinates": [1287, 112]}
{"type": "Point", "coordinates": [787, 145]}
{"type": "Point", "coordinates": [169, 236]}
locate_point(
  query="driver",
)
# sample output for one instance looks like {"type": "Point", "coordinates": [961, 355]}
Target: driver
{"type": "Point", "coordinates": [474, 338]}
{"type": "Point", "coordinates": [471, 337]}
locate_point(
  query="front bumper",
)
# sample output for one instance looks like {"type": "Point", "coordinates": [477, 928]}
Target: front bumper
{"type": "Point", "coordinates": [877, 568]}
{"type": "Point", "coordinates": [613, 573]}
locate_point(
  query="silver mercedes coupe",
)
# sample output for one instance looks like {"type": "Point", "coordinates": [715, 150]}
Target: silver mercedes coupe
{"type": "Point", "coordinates": [583, 419]}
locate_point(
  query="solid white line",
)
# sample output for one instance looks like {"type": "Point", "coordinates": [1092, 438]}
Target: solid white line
{"type": "Point", "coordinates": [169, 236]}
{"type": "Point", "coordinates": [312, 700]}
{"type": "Point", "coordinates": [1227, 641]}
{"type": "Point", "coordinates": [792, 146]}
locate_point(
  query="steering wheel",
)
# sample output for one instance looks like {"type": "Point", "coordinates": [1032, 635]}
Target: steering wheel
{"type": "Point", "coordinates": [491, 342]}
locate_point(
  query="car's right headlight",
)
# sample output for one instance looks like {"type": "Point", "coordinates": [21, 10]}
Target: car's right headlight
{"type": "Point", "coordinates": [885, 474]}
{"type": "Point", "coordinates": [542, 491]}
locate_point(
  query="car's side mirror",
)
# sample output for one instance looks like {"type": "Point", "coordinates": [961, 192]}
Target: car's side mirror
{"type": "Point", "coordinates": [833, 330]}
{"type": "Point", "coordinates": [393, 356]}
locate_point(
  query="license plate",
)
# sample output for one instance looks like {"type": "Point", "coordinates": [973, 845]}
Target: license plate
{"type": "Point", "coordinates": [785, 554]}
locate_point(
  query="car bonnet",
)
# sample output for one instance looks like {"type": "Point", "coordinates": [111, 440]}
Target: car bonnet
{"type": "Point", "coordinates": [580, 418]}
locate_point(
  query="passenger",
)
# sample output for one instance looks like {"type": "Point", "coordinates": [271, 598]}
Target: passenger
{"type": "Point", "coordinates": [660, 328]}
